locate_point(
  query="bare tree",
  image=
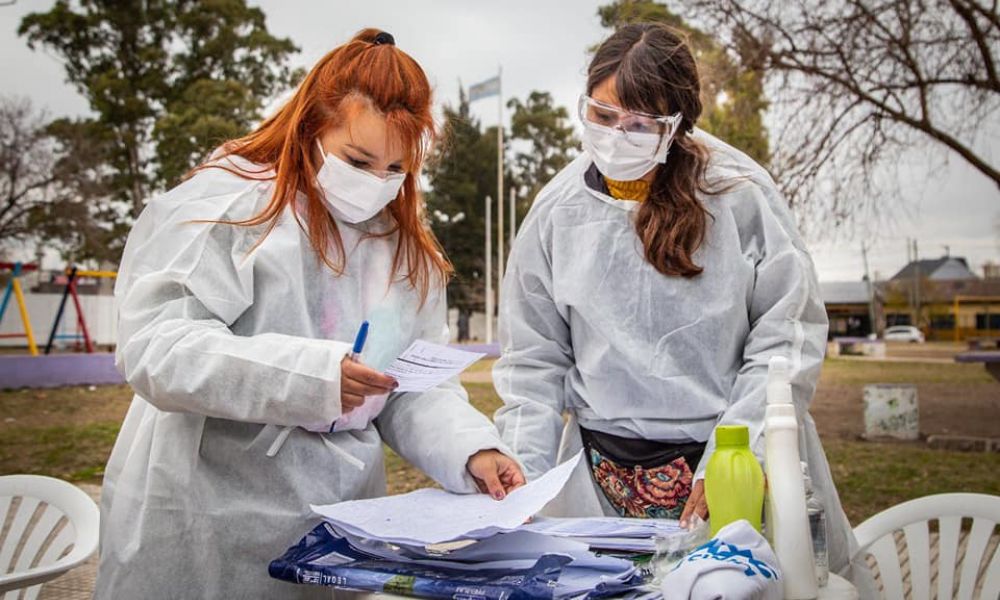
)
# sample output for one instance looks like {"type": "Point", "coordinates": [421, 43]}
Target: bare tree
{"type": "Point", "coordinates": [26, 170]}
{"type": "Point", "coordinates": [858, 83]}
{"type": "Point", "coordinates": [54, 189]}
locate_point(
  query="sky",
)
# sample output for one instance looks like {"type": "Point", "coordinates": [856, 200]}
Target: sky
{"type": "Point", "coordinates": [543, 46]}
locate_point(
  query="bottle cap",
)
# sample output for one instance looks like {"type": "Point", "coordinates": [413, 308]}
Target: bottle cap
{"type": "Point", "coordinates": [778, 369]}
{"type": "Point", "coordinates": [779, 377]}
{"type": "Point", "coordinates": [732, 435]}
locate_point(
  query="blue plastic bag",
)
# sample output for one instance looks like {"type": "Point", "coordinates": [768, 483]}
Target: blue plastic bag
{"type": "Point", "coordinates": [324, 558]}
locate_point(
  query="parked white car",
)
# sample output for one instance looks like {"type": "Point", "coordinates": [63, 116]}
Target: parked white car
{"type": "Point", "coordinates": [904, 333]}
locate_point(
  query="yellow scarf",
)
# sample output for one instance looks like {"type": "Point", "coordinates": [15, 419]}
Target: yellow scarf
{"type": "Point", "coordinates": [637, 190]}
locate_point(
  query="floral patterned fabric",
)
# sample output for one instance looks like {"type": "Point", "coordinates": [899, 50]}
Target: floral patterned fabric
{"type": "Point", "coordinates": [658, 492]}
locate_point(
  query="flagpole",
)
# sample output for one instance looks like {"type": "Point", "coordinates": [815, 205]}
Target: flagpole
{"type": "Point", "coordinates": [513, 216]}
{"type": "Point", "coordinates": [500, 227]}
{"type": "Point", "coordinates": [489, 270]}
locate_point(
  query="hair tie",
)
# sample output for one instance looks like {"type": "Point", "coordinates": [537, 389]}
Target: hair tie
{"type": "Point", "coordinates": [384, 38]}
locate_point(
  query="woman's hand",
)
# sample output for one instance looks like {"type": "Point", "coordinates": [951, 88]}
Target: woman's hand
{"type": "Point", "coordinates": [358, 381]}
{"type": "Point", "coordinates": [495, 473]}
{"type": "Point", "coordinates": [696, 504]}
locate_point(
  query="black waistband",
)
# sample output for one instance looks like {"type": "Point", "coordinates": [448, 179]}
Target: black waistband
{"type": "Point", "coordinates": [630, 452]}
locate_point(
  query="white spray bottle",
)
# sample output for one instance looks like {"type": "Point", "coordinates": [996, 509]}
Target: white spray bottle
{"type": "Point", "coordinates": [787, 519]}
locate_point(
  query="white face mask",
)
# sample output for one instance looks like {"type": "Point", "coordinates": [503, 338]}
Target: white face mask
{"type": "Point", "coordinates": [351, 194]}
{"type": "Point", "coordinates": [625, 156]}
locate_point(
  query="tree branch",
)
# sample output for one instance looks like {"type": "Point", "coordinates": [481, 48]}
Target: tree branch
{"type": "Point", "coordinates": [981, 42]}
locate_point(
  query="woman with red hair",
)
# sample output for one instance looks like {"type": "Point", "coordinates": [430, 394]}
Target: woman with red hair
{"type": "Point", "coordinates": [239, 293]}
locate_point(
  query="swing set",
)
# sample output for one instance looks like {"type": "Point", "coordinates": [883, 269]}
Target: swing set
{"type": "Point", "coordinates": [70, 291]}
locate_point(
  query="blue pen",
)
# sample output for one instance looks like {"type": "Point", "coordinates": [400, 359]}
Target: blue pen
{"type": "Point", "coordinates": [359, 346]}
{"type": "Point", "coordinates": [359, 342]}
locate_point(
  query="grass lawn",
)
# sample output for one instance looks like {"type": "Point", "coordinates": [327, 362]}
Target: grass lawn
{"type": "Point", "coordinates": [68, 433]}
{"type": "Point", "coordinates": [860, 372]}
{"type": "Point", "coordinates": [871, 477]}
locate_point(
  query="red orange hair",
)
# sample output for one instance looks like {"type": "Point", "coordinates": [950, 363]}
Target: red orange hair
{"type": "Point", "coordinates": [392, 83]}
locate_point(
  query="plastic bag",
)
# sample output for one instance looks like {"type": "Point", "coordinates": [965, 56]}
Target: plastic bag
{"type": "Point", "coordinates": [672, 548]}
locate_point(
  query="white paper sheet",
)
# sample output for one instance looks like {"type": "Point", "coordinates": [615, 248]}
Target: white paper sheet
{"type": "Point", "coordinates": [611, 533]}
{"type": "Point", "coordinates": [622, 544]}
{"type": "Point", "coordinates": [615, 527]}
{"type": "Point", "coordinates": [432, 516]}
{"type": "Point", "coordinates": [425, 365]}
{"type": "Point", "coordinates": [528, 544]}
{"type": "Point", "coordinates": [421, 367]}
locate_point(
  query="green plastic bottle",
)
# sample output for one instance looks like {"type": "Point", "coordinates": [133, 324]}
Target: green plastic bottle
{"type": "Point", "coordinates": [734, 481]}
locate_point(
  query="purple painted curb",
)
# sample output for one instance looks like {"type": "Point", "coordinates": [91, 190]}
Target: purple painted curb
{"type": "Point", "coordinates": [59, 370]}
{"type": "Point", "coordinates": [490, 350]}
{"type": "Point", "coordinates": [99, 369]}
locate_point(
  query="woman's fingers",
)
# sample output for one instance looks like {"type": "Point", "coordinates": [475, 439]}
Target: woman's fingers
{"type": "Point", "coordinates": [358, 382]}
{"type": "Point", "coordinates": [360, 388]}
{"type": "Point", "coordinates": [495, 473]}
{"type": "Point", "coordinates": [696, 504]}
{"type": "Point", "coordinates": [367, 376]}
{"type": "Point", "coordinates": [511, 476]}
{"type": "Point", "coordinates": [349, 402]}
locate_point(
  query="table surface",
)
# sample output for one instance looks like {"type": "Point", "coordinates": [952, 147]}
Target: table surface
{"type": "Point", "coordinates": [983, 356]}
{"type": "Point", "coordinates": [838, 588]}
{"type": "Point", "coordinates": [989, 358]}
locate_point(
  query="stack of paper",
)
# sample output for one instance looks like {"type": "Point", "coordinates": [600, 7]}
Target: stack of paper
{"type": "Point", "coordinates": [432, 516]}
{"type": "Point", "coordinates": [434, 544]}
{"type": "Point", "coordinates": [609, 533]}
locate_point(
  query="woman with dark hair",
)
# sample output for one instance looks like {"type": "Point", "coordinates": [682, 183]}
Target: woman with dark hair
{"type": "Point", "coordinates": [650, 284]}
{"type": "Point", "coordinates": [239, 294]}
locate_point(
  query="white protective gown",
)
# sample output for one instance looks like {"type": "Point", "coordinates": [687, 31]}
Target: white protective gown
{"type": "Point", "coordinates": [589, 327]}
{"type": "Point", "coordinates": [225, 345]}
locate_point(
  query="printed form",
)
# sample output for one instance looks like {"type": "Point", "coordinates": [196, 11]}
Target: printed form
{"type": "Point", "coordinates": [425, 365]}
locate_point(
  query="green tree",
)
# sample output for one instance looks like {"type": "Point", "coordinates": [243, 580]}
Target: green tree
{"type": "Point", "coordinates": [88, 222]}
{"type": "Point", "coordinates": [166, 80]}
{"type": "Point", "coordinates": [547, 134]}
{"type": "Point", "coordinates": [732, 84]}
{"type": "Point", "coordinates": [462, 172]}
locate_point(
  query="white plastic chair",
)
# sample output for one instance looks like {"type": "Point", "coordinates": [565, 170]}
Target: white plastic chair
{"type": "Point", "coordinates": [877, 537]}
{"type": "Point", "coordinates": [66, 516]}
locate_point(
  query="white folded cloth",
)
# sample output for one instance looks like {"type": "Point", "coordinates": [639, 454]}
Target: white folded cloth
{"type": "Point", "coordinates": [737, 564]}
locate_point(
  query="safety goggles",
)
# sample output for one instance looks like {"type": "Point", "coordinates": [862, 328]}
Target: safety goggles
{"type": "Point", "coordinates": [613, 117]}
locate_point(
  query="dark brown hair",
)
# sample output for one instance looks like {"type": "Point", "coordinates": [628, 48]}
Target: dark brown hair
{"type": "Point", "coordinates": [655, 73]}
{"type": "Point", "coordinates": [369, 68]}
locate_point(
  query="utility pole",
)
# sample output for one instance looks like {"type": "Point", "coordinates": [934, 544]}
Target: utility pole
{"type": "Point", "coordinates": [500, 158]}
{"type": "Point", "coordinates": [916, 281]}
{"type": "Point", "coordinates": [500, 236]}
{"type": "Point", "coordinates": [872, 327]}
{"type": "Point", "coordinates": [489, 270]}
{"type": "Point", "coordinates": [513, 216]}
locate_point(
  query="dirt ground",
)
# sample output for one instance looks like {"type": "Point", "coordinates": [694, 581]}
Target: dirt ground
{"type": "Point", "coordinates": [954, 399]}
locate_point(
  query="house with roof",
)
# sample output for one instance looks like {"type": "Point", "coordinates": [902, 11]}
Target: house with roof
{"type": "Point", "coordinates": [850, 306]}
{"type": "Point", "coordinates": [944, 298]}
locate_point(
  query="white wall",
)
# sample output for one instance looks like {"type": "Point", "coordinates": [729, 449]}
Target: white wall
{"type": "Point", "coordinates": [477, 326]}
{"type": "Point", "coordinates": [99, 313]}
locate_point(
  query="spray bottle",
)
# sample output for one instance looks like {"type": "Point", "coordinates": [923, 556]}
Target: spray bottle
{"type": "Point", "coordinates": [788, 521]}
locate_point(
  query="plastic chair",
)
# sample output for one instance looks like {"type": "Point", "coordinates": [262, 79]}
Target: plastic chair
{"type": "Point", "coordinates": [877, 537]}
{"type": "Point", "coordinates": [49, 509]}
